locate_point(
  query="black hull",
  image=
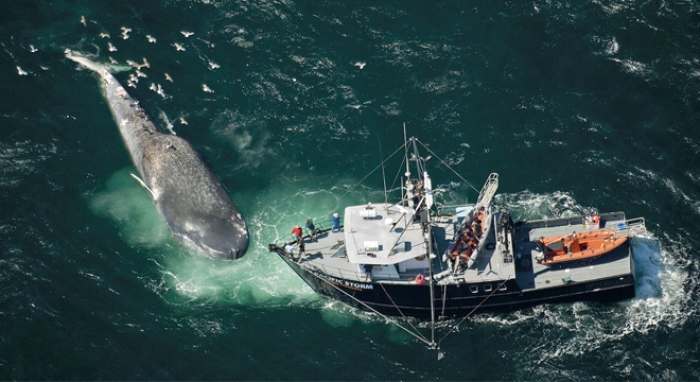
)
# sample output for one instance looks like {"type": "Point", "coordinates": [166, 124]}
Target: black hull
{"type": "Point", "coordinates": [413, 300]}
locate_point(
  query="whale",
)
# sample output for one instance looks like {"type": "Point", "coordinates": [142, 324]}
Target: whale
{"type": "Point", "coordinates": [187, 194]}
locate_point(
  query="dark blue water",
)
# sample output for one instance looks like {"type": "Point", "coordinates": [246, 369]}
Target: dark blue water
{"type": "Point", "coordinates": [579, 106]}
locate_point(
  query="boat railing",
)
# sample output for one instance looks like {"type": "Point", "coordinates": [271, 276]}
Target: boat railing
{"type": "Point", "coordinates": [321, 227]}
{"type": "Point", "coordinates": [628, 228]}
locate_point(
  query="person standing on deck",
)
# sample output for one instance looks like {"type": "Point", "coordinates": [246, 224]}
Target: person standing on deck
{"type": "Point", "coordinates": [336, 222]}
{"type": "Point", "coordinates": [297, 233]}
{"type": "Point", "coordinates": [302, 249]}
{"type": "Point", "coordinates": [312, 230]}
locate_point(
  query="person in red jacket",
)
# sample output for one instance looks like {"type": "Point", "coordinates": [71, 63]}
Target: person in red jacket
{"type": "Point", "coordinates": [297, 233]}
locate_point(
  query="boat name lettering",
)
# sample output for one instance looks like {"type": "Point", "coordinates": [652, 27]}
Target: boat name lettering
{"type": "Point", "coordinates": [344, 283]}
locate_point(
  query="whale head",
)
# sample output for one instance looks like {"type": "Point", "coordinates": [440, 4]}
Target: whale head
{"type": "Point", "coordinates": [219, 237]}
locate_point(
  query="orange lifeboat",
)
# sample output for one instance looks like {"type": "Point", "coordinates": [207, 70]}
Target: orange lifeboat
{"type": "Point", "coordinates": [578, 247]}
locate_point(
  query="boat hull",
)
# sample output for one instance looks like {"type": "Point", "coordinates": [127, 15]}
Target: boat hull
{"type": "Point", "coordinates": [454, 300]}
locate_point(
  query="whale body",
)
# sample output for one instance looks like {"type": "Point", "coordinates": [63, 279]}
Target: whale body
{"type": "Point", "coordinates": [187, 194]}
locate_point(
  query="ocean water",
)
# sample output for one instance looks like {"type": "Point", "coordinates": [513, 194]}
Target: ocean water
{"type": "Point", "coordinates": [579, 106]}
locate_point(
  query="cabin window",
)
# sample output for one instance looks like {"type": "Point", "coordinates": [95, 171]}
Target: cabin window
{"type": "Point", "coordinates": [487, 288]}
{"type": "Point", "coordinates": [474, 288]}
{"type": "Point", "coordinates": [503, 287]}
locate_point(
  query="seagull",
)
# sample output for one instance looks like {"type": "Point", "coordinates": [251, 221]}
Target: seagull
{"type": "Point", "coordinates": [360, 65]}
{"type": "Point", "coordinates": [151, 39]}
{"type": "Point", "coordinates": [133, 80]}
{"type": "Point", "coordinates": [182, 121]}
{"type": "Point", "coordinates": [158, 89]}
{"type": "Point", "coordinates": [186, 33]}
{"type": "Point", "coordinates": [140, 74]}
{"type": "Point", "coordinates": [207, 88]}
{"type": "Point", "coordinates": [82, 21]}
{"type": "Point", "coordinates": [112, 48]}
{"type": "Point", "coordinates": [179, 47]}
{"type": "Point", "coordinates": [138, 65]}
{"type": "Point", "coordinates": [161, 92]}
{"type": "Point", "coordinates": [104, 35]}
{"type": "Point", "coordinates": [21, 71]}
{"type": "Point", "coordinates": [167, 77]}
{"type": "Point", "coordinates": [213, 65]}
{"type": "Point", "coordinates": [113, 61]}
{"type": "Point", "coordinates": [33, 49]}
{"type": "Point", "coordinates": [125, 33]}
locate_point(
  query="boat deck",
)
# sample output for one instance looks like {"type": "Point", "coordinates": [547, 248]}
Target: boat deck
{"type": "Point", "coordinates": [327, 255]}
{"type": "Point", "coordinates": [497, 261]}
{"type": "Point", "coordinates": [532, 275]}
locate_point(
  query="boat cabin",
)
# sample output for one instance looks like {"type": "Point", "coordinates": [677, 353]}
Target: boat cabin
{"type": "Point", "coordinates": [382, 235]}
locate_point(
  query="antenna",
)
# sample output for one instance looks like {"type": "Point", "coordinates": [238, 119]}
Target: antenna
{"type": "Point", "coordinates": [405, 141]}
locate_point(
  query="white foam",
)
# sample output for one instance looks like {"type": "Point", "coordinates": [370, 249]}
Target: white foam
{"type": "Point", "coordinates": [583, 327]}
{"type": "Point", "coordinates": [128, 204]}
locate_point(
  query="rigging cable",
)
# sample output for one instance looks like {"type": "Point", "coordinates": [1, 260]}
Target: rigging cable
{"type": "Point", "coordinates": [375, 169]}
{"type": "Point", "coordinates": [447, 165]}
{"type": "Point", "coordinates": [377, 312]}
{"type": "Point", "coordinates": [402, 315]}
{"type": "Point", "coordinates": [472, 311]}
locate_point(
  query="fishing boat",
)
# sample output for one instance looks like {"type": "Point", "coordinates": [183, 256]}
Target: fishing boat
{"type": "Point", "coordinates": [417, 258]}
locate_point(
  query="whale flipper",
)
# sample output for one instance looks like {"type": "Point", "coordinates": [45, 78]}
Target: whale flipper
{"type": "Point", "coordinates": [143, 184]}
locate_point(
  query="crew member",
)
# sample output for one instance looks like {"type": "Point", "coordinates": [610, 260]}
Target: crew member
{"type": "Point", "coordinates": [466, 244]}
{"type": "Point", "coordinates": [296, 231]}
{"type": "Point", "coordinates": [336, 222]}
{"type": "Point", "coordinates": [312, 229]}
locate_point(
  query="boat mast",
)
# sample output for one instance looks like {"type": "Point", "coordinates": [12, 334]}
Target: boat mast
{"type": "Point", "coordinates": [424, 212]}
{"type": "Point", "coordinates": [432, 282]}
{"type": "Point", "coordinates": [407, 174]}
